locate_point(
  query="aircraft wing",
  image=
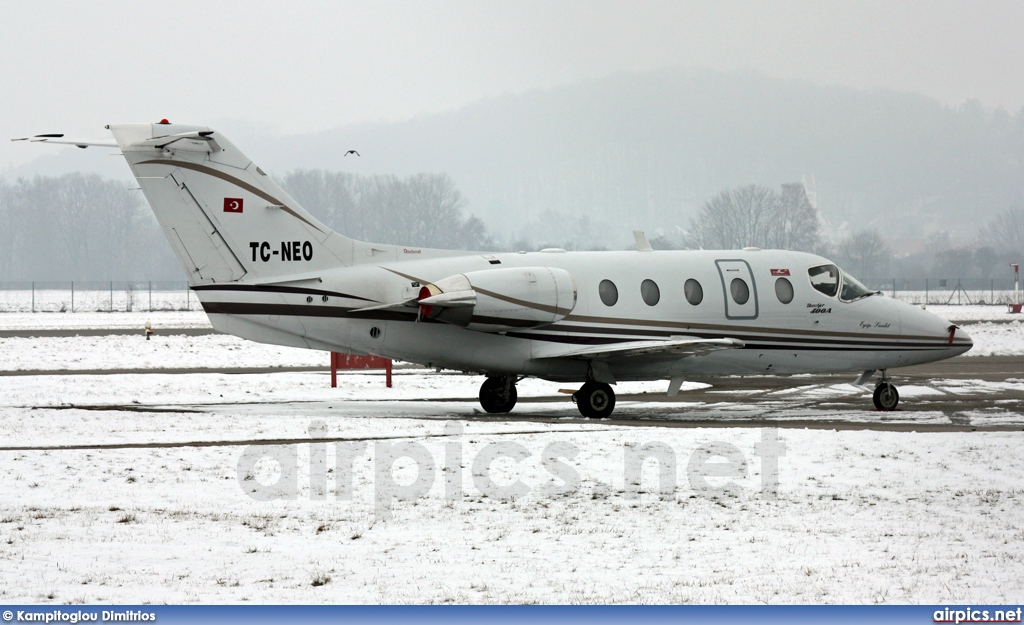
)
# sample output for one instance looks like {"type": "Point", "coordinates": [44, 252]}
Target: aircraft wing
{"type": "Point", "coordinates": [409, 303]}
{"type": "Point", "coordinates": [671, 348]}
{"type": "Point", "coordinates": [453, 299]}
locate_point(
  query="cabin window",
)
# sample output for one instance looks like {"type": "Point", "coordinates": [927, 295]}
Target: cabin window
{"type": "Point", "coordinates": [650, 292]}
{"type": "Point", "coordinates": [608, 292]}
{"type": "Point", "coordinates": [693, 291]}
{"type": "Point", "coordinates": [784, 290]}
{"type": "Point", "coordinates": [825, 278]}
{"type": "Point", "coordinates": [740, 291]}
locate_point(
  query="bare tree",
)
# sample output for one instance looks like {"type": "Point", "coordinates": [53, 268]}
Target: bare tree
{"type": "Point", "coordinates": [866, 253]}
{"type": "Point", "coordinates": [756, 216]}
{"type": "Point", "coordinates": [1005, 233]}
{"type": "Point", "coordinates": [795, 223]}
{"type": "Point", "coordinates": [423, 210]}
{"type": "Point", "coordinates": [77, 227]}
{"type": "Point", "coordinates": [333, 197]}
{"type": "Point", "coordinates": [7, 232]}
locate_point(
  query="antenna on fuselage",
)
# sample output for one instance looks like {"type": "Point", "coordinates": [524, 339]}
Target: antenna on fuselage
{"type": "Point", "coordinates": [642, 244]}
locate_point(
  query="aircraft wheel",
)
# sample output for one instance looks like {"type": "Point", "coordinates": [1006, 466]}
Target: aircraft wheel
{"type": "Point", "coordinates": [886, 396]}
{"type": "Point", "coordinates": [494, 398]}
{"type": "Point", "coordinates": [595, 400]}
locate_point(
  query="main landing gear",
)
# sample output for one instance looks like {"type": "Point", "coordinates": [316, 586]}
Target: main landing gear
{"type": "Point", "coordinates": [595, 400]}
{"type": "Point", "coordinates": [498, 395]}
{"type": "Point", "coordinates": [886, 397]}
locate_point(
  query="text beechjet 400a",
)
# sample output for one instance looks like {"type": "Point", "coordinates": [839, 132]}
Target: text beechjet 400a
{"type": "Point", "coordinates": [266, 270]}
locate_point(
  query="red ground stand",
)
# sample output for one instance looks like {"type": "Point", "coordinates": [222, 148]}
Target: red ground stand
{"type": "Point", "coordinates": [352, 361]}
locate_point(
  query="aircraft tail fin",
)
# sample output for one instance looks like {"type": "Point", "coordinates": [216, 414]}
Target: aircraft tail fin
{"type": "Point", "coordinates": [225, 218]}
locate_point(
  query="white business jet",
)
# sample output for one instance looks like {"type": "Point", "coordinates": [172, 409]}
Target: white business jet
{"type": "Point", "coordinates": [266, 270]}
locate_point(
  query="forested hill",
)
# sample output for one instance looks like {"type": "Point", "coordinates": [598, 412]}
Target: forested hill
{"type": "Point", "coordinates": [590, 162]}
{"type": "Point", "coordinates": [647, 150]}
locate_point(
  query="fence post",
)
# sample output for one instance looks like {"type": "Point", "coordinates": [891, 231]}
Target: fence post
{"type": "Point", "coordinates": [111, 296]}
{"type": "Point", "coordinates": [992, 291]}
{"type": "Point", "coordinates": [926, 291]}
{"type": "Point", "coordinates": [188, 298]}
{"type": "Point", "coordinates": [72, 296]}
{"type": "Point", "coordinates": [150, 296]}
{"type": "Point", "coordinates": [894, 288]}
{"type": "Point", "coordinates": [33, 296]}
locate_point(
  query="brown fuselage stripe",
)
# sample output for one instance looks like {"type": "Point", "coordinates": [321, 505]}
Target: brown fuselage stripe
{"type": "Point", "coordinates": [272, 288]}
{"type": "Point", "coordinates": [762, 342]}
{"type": "Point", "coordinates": [686, 325]}
{"type": "Point", "coordinates": [210, 171]}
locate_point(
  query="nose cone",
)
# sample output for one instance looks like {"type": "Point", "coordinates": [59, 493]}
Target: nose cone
{"type": "Point", "coordinates": [933, 332]}
{"type": "Point", "coordinates": [962, 342]}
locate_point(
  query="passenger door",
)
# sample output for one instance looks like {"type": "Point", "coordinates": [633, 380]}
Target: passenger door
{"type": "Point", "coordinates": [739, 289]}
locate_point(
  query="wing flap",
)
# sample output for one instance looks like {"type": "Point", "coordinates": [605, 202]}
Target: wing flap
{"type": "Point", "coordinates": [674, 347]}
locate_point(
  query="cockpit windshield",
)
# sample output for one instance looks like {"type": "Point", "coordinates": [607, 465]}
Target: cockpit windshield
{"type": "Point", "coordinates": [853, 289]}
{"type": "Point", "coordinates": [826, 279]}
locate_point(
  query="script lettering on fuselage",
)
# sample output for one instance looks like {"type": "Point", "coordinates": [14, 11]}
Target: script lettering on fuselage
{"type": "Point", "coordinates": [286, 250]}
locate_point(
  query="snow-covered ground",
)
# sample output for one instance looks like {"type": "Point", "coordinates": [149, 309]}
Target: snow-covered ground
{"type": "Point", "coordinates": [856, 517]}
{"type": "Point", "coordinates": [997, 339]}
{"type": "Point", "coordinates": [961, 314]}
{"type": "Point", "coordinates": [160, 320]}
{"type": "Point", "coordinates": [171, 351]}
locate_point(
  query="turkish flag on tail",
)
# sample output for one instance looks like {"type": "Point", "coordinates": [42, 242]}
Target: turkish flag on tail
{"type": "Point", "coordinates": [232, 205]}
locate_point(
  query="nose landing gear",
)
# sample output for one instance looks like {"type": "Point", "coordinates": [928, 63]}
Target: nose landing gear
{"type": "Point", "coordinates": [498, 395]}
{"type": "Point", "coordinates": [886, 397]}
{"type": "Point", "coordinates": [595, 400]}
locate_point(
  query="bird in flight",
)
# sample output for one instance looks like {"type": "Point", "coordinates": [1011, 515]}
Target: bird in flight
{"type": "Point", "coordinates": [352, 152]}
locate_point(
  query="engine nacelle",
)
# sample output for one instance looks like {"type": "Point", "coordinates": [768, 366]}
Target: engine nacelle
{"type": "Point", "coordinates": [498, 300]}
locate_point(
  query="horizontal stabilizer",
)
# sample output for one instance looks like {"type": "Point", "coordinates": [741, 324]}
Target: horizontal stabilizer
{"type": "Point", "coordinates": [671, 348]}
{"type": "Point", "coordinates": [194, 141]}
{"type": "Point", "coordinates": [62, 140]}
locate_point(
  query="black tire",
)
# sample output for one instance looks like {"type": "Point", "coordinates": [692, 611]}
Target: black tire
{"type": "Point", "coordinates": [886, 397]}
{"type": "Point", "coordinates": [493, 398]}
{"type": "Point", "coordinates": [595, 400]}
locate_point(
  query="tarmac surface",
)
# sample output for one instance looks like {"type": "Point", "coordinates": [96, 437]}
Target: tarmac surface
{"type": "Point", "coordinates": [964, 394]}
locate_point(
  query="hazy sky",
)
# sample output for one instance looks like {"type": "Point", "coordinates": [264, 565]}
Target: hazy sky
{"type": "Point", "coordinates": [306, 66]}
